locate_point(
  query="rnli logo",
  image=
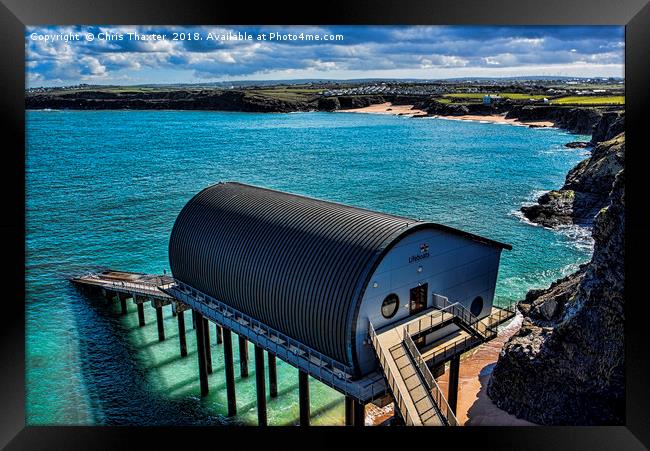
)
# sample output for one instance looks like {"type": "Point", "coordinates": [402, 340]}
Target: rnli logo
{"type": "Point", "coordinates": [424, 253]}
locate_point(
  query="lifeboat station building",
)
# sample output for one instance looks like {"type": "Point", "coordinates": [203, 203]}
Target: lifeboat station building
{"type": "Point", "coordinates": [371, 304]}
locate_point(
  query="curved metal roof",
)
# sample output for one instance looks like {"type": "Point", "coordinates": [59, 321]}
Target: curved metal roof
{"type": "Point", "coordinates": [295, 263]}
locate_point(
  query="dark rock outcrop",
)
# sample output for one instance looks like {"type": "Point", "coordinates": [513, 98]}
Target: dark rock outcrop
{"type": "Point", "coordinates": [328, 104]}
{"type": "Point", "coordinates": [577, 145]}
{"type": "Point", "coordinates": [611, 124]}
{"type": "Point", "coordinates": [574, 119]}
{"type": "Point", "coordinates": [585, 190]}
{"type": "Point", "coordinates": [565, 365]}
{"type": "Point", "coordinates": [362, 101]}
{"type": "Point", "coordinates": [577, 120]}
{"type": "Point", "coordinates": [563, 207]}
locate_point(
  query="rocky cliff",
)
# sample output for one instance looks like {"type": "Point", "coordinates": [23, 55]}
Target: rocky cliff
{"type": "Point", "coordinates": [586, 188]}
{"type": "Point", "coordinates": [230, 100]}
{"type": "Point", "coordinates": [565, 365]}
{"type": "Point", "coordinates": [227, 100]}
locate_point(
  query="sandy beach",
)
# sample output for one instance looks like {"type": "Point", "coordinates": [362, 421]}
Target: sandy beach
{"type": "Point", "coordinates": [497, 119]}
{"type": "Point", "coordinates": [409, 110]}
{"type": "Point", "coordinates": [386, 108]}
{"type": "Point", "coordinates": [474, 407]}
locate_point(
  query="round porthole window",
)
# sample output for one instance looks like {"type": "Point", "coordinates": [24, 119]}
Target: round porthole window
{"type": "Point", "coordinates": [477, 306]}
{"type": "Point", "coordinates": [389, 306]}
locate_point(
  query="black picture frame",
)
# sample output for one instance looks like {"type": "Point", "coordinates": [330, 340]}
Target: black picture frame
{"type": "Point", "coordinates": [15, 14]}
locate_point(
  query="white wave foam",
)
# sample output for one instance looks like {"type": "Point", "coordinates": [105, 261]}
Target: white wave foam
{"type": "Point", "coordinates": [580, 236]}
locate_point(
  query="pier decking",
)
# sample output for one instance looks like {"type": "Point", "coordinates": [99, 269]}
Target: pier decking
{"type": "Point", "coordinates": [138, 284]}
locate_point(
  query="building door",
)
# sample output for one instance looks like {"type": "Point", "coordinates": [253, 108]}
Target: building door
{"type": "Point", "coordinates": [417, 303]}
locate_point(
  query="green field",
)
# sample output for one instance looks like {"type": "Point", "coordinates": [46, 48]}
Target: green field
{"type": "Point", "coordinates": [286, 93]}
{"type": "Point", "coordinates": [505, 95]}
{"type": "Point", "coordinates": [589, 100]}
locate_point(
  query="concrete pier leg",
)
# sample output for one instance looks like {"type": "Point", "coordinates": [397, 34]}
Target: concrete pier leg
{"type": "Point", "coordinates": [452, 392]}
{"type": "Point", "coordinates": [230, 372]}
{"type": "Point", "coordinates": [261, 388]}
{"type": "Point", "coordinates": [200, 344]}
{"type": "Point", "coordinates": [303, 397]}
{"type": "Point", "coordinates": [161, 324]}
{"type": "Point", "coordinates": [243, 357]}
{"type": "Point", "coordinates": [174, 313]}
{"type": "Point", "coordinates": [219, 334]}
{"type": "Point", "coordinates": [349, 411]}
{"type": "Point", "coordinates": [359, 414]}
{"type": "Point", "coordinates": [273, 377]}
{"type": "Point", "coordinates": [208, 347]}
{"type": "Point", "coordinates": [141, 314]}
{"type": "Point", "coordinates": [123, 303]}
{"type": "Point", "coordinates": [109, 296]}
{"type": "Point", "coordinates": [181, 333]}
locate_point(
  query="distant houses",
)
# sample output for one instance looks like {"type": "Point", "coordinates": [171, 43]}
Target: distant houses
{"type": "Point", "coordinates": [489, 99]}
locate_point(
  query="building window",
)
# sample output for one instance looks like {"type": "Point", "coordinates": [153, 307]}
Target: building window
{"type": "Point", "coordinates": [389, 306]}
{"type": "Point", "coordinates": [477, 306]}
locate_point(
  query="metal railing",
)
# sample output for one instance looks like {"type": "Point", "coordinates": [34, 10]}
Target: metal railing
{"type": "Point", "coordinates": [390, 379]}
{"type": "Point", "coordinates": [452, 349]}
{"type": "Point", "coordinates": [501, 315]}
{"type": "Point", "coordinates": [438, 400]}
{"type": "Point", "coordinates": [466, 317]}
{"type": "Point", "coordinates": [147, 286]}
{"type": "Point", "coordinates": [319, 366]}
{"type": "Point", "coordinates": [427, 322]}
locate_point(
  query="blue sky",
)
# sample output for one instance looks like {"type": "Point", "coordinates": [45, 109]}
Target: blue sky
{"type": "Point", "coordinates": [424, 52]}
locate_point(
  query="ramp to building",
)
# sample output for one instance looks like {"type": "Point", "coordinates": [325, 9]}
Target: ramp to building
{"type": "Point", "coordinates": [417, 394]}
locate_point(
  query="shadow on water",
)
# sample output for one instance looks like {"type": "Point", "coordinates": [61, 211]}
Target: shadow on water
{"type": "Point", "coordinates": [315, 413]}
{"type": "Point", "coordinates": [116, 381]}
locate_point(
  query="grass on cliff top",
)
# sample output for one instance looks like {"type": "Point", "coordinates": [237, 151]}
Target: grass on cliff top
{"type": "Point", "coordinates": [504, 95]}
{"type": "Point", "coordinates": [285, 93]}
{"type": "Point", "coordinates": [589, 100]}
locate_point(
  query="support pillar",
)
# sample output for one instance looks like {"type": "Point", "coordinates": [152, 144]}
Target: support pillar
{"type": "Point", "coordinates": [109, 296]}
{"type": "Point", "coordinates": [193, 321]}
{"type": "Point", "coordinates": [123, 303]}
{"type": "Point", "coordinates": [174, 313]}
{"type": "Point", "coordinates": [208, 348]}
{"type": "Point", "coordinates": [261, 388]}
{"type": "Point", "coordinates": [141, 314]}
{"type": "Point", "coordinates": [181, 332]}
{"type": "Point", "coordinates": [200, 344]}
{"type": "Point", "coordinates": [452, 392]}
{"type": "Point", "coordinates": [243, 357]}
{"type": "Point", "coordinates": [273, 377]}
{"type": "Point", "coordinates": [230, 372]}
{"type": "Point", "coordinates": [303, 397]}
{"type": "Point", "coordinates": [161, 324]}
{"type": "Point", "coordinates": [359, 414]}
{"type": "Point", "coordinates": [219, 335]}
{"type": "Point", "coordinates": [349, 411]}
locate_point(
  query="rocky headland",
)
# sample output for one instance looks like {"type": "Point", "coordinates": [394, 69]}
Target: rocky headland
{"type": "Point", "coordinates": [565, 366]}
{"type": "Point", "coordinates": [586, 188]}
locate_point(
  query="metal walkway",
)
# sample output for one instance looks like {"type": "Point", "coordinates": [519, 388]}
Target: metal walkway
{"type": "Point", "coordinates": [417, 395]}
{"type": "Point", "coordinates": [134, 284]}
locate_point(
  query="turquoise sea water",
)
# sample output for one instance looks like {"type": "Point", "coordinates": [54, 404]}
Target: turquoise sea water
{"type": "Point", "coordinates": [104, 187]}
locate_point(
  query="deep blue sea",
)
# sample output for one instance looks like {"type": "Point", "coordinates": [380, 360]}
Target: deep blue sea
{"type": "Point", "coordinates": [104, 188]}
